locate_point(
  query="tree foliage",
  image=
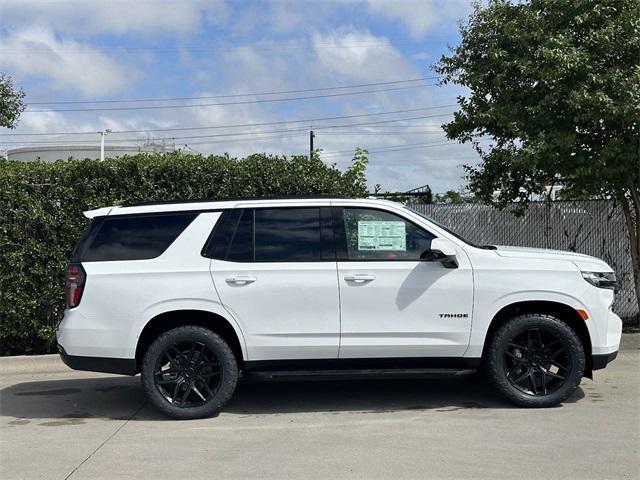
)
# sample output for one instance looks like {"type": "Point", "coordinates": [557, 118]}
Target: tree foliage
{"type": "Point", "coordinates": [451, 196]}
{"type": "Point", "coordinates": [554, 98]}
{"type": "Point", "coordinates": [11, 104]}
{"type": "Point", "coordinates": [41, 207]}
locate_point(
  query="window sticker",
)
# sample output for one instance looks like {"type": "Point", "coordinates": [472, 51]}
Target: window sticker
{"type": "Point", "coordinates": [379, 235]}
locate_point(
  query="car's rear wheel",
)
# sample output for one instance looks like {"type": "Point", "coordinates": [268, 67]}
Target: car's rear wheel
{"type": "Point", "coordinates": [536, 360]}
{"type": "Point", "coordinates": [189, 372]}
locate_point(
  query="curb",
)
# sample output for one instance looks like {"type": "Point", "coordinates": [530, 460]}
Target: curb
{"type": "Point", "coordinates": [32, 364]}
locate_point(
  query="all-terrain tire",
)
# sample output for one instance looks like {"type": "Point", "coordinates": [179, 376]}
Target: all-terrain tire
{"type": "Point", "coordinates": [497, 363]}
{"type": "Point", "coordinates": [218, 348]}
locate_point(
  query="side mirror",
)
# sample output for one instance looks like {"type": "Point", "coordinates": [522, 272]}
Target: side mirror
{"type": "Point", "coordinates": [443, 251]}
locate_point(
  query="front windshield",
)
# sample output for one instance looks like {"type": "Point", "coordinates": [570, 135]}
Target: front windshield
{"type": "Point", "coordinates": [446, 229]}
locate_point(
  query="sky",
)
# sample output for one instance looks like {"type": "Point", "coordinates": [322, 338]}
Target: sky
{"type": "Point", "coordinates": [235, 55]}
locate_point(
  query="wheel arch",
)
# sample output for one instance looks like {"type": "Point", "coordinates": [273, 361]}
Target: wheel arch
{"type": "Point", "coordinates": [559, 310]}
{"type": "Point", "coordinates": [174, 318]}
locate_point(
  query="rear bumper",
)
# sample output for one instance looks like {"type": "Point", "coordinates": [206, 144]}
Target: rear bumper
{"type": "Point", "coordinates": [598, 362]}
{"type": "Point", "coordinates": [121, 366]}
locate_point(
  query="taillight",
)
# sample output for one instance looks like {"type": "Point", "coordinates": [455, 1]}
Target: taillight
{"type": "Point", "coordinates": [76, 278]}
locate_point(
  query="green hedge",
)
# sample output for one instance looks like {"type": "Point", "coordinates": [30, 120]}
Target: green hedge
{"type": "Point", "coordinates": [41, 207]}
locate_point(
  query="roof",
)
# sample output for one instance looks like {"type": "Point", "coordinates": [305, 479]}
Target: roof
{"type": "Point", "coordinates": [224, 203]}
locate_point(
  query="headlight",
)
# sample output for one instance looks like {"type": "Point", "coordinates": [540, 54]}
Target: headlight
{"type": "Point", "coordinates": [601, 279]}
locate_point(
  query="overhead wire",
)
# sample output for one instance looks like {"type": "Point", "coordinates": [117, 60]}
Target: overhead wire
{"type": "Point", "coordinates": [217, 104]}
{"type": "Point", "coordinates": [227, 134]}
{"type": "Point", "coordinates": [235, 95]}
{"type": "Point", "coordinates": [307, 121]}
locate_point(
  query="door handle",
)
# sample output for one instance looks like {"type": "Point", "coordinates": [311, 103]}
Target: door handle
{"type": "Point", "coordinates": [241, 279]}
{"type": "Point", "coordinates": [360, 278]}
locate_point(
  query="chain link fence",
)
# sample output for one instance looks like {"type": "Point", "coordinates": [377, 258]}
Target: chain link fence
{"type": "Point", "coordinates": [594, 227]}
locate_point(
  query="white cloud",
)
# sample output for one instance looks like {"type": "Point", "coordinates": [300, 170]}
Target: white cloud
{"type": "Point", "coordinates": [360, 56]}
{"type": "Point", "coordinates": [42, 122]}
{"type": "Point", "coordinates": [62, 62]}
{"type": "Point", "coordinates": [420, 16]}
{"type": "Point", "coordinates": [284, 17]}
{"type": "Point", "coordinates": [289, 56]}
{"type": "Point", "coordinates": [115, 17]}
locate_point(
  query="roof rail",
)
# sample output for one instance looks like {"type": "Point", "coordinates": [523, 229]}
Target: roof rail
{"type": "Point", "coordinates": [237, 199]}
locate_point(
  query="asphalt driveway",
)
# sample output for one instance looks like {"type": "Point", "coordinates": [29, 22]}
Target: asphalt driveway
{"type": "Point", "coordinates": [56, 423]}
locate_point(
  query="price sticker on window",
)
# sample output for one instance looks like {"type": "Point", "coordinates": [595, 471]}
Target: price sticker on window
{"type": "Point", "coordinates": [380, 235]}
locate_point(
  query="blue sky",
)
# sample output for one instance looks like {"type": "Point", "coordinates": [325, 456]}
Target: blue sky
{"type": "Point", "coordinates": [121, 50]}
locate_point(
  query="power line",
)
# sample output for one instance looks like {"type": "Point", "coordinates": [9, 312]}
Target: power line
{"type": "Point", "coordinates": [385, 133]}
{"type": "Point", "coordinates": [232, 134]}
{"type": "Point", "coordinates": [243, 102]}
{"type": "Point", "coordinates": [421, 144]}
{"type": "Point", "coordinates": [235, 95]}
{"type": "Point", "coordinates": [392, 148]}
{"type": "Point", "coordinates": [142, 139]}
{"type": "Point", "coordinates": [85, 142]}
{"type": "Point", "coordinates": [260, 124]}
{"type": "Point", "coordinates": [378, 122]}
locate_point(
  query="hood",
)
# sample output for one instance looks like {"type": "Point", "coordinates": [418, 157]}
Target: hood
{"type": "Point", "coordinates": [582, 261]}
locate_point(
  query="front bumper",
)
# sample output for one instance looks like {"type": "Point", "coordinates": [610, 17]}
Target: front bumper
{"type": "Point", "coordinates": [598, 362]}
{"type": "Point", "coordinates": [121, 366]}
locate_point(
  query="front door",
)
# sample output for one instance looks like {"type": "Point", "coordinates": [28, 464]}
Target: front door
{"type": "Point", "coordinates": [393, 302]}
{"type": "Point", "coordinates": [278, 278]}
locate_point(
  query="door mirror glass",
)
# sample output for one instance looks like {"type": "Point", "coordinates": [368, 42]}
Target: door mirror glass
{"type": "Point", "coordinates": [443, 251]}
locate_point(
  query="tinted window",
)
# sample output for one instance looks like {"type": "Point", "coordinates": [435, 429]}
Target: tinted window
{"type": "Point", "coordinates": [241, 249]}
{"type": "Point", "coordinates": [85, 239]}
{"type": "Point", "coordinates": [135, 238]}
{"type": "Point", "coordinates": [287, 234]}
{"type": "Point", "coordinates": [379, 235]}
{"type": "Point", "coordinates": [222, 234]}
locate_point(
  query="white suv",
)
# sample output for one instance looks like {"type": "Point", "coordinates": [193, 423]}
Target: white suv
{"type": "Point", "coordinates": [190, 294]}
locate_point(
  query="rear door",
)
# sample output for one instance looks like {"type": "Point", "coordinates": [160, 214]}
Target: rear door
{"type": "Point", "coordinates": [275, 272]}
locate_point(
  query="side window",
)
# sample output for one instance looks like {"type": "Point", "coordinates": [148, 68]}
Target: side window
{"type": "Point", "coordinates": [85, 239]}
{"type": "Point", "coordinates": [222, 234]}
{"type": "Point", "coordinates": [135, 238]}
{"type": "Point", "coordinates": [241, 249]}
{"type": "Point", "coordinates": [287, 235]}
{"type": "Point", "coordinates": [378, 235]}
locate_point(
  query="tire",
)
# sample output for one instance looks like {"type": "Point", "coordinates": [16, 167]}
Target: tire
{"type": "Point", "coordinates": [189, 372]}
{"type": "Point", "coordinates": [535, 360]}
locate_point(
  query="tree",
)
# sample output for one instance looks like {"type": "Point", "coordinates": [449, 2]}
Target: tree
{"type": "Point", "coordinates": [451, 196]}
{"type": "Point", "coordinates": [11, 105]}
{"type": "Point", "coordinates": [554, 97]}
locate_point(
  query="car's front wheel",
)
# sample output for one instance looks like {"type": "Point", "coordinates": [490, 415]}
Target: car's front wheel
{"type": "Point", "coordinates": [189, 372]}
{"type": "Point", "coordinates": [536, 360]}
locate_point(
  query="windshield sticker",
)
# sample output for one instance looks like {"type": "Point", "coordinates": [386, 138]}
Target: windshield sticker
{"type": "Point", "coordinates": [379, 235]}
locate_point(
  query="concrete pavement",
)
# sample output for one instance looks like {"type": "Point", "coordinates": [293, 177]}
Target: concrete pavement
{"type": "Point", "coordinates": [56, 423]}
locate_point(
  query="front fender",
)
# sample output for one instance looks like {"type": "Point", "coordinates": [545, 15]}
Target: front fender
{"type": "Point", "coordinates": [483, 318]}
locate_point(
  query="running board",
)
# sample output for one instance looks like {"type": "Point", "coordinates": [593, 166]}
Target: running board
{"type": "Point", "coordinates": [370, 372]}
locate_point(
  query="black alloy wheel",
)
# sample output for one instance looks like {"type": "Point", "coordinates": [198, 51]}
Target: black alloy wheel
{"type": "Point", "coordinates": [189, 372]}
{"type": "Point", "coordinates": [535, 360]}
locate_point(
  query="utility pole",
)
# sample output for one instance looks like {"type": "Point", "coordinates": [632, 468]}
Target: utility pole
{"type": "Point", "coordinates": [103, 134]}
{"type": "Point", "coordinates": [311, 137]}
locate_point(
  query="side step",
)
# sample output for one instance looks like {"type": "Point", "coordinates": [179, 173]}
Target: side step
{"type": "Point", "coordinates": [360, 373]}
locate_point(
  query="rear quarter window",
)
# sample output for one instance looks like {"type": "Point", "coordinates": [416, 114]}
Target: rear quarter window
{"type": "Point", "coordinates": [135, 237]}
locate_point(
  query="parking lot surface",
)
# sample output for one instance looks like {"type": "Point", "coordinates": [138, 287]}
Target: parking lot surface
{"type": "Point", "coordinates": [56, 423]}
